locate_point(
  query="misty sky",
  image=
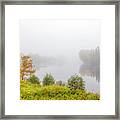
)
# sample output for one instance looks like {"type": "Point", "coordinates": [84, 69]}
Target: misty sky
{"type": "Point", "coordinates": [58, 37]}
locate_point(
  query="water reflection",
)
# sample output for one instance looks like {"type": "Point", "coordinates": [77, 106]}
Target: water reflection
{"type": "Point", "coordinates": [89, 70]}
{"type": "Point", "coordinates": [91, 63]}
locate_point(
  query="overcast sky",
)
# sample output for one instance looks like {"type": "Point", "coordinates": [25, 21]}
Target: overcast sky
{"type": "Point", "coordinates": [58, 37]}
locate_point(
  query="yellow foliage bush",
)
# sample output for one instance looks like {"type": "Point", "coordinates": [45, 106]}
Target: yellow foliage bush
{"type": "Point", "coordinates": [29, 91]}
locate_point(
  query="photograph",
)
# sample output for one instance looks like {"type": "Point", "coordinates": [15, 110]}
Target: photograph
{"type": "Point", "coordinates": [59, 59]}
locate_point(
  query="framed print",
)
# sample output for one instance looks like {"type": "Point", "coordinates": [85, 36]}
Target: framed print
{"type": "Point", "coordinates": [59, 59]}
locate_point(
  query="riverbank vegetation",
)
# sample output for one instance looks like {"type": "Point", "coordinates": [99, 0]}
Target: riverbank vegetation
{"type": "Point", "coordinates": [74, 90]}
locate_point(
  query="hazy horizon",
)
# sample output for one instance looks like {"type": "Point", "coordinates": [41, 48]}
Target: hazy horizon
{"type": "Point", "coordinates": [58, 37]}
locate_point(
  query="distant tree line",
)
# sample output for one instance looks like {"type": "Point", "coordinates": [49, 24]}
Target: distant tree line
{"type": "Point", "coordinates": [90, 56]}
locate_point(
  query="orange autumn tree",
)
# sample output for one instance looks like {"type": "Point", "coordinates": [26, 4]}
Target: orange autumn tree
{"type": "Point", "coordinates": [26, 67]}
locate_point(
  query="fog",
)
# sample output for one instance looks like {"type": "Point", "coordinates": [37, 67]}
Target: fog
{"type": "Point", "coordinates": [58, 37]}
{"type": "Point", "coordinates": [55, 45]}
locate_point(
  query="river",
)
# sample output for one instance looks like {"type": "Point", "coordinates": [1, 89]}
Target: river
{"type": "Point", "coordinates": [69, 67]}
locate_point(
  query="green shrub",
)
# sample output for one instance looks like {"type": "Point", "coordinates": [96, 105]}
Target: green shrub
{"type": "Point", "coordinates": [29, 91]}
{"type": "Point", "coordinates": [34, 79]}
{"type": "Point", "coordinates": [76, 82]}
{"type": "Point", "coordinates": [48, 80]}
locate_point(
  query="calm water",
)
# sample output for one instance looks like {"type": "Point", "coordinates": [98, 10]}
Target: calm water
{"type": "Point", "coordinates": [71, 67]}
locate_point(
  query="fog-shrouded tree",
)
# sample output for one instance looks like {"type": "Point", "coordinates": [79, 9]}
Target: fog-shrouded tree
{"type": "Point", "coordinates": [48, 80]}
{"type": "Point", "coordinates": [90, 56]}
{"type": "Point", "coordinates": [90, 62]}
{"type": "Point", "coordinates": [76, 82]}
